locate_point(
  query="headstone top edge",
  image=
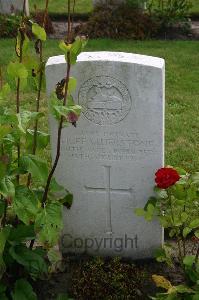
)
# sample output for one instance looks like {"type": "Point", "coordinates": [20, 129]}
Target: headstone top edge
{"type": "Point", "coordinates": [122, 57]}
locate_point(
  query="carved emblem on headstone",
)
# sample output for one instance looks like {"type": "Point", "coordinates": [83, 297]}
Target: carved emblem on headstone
{"type": "Point", "coordinates": [105, 100]}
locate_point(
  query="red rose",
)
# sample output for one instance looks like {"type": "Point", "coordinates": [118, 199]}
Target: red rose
{"type": "Point", "coordinates": [166, 177]}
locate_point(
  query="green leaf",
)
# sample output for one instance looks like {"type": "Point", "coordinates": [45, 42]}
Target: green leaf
{"type": "Point", "coordinates": [161, 194]}
{"type": "Point", "coordinates": [55, 259]}
{"type": "Point", "coordinates": [67, 201]}
{"type": "Point", "coordinates": [32, 260]}
{"type": "Point", "coordinates": [189, 260]}
{"type": "Point", "coordinates": [21, 39]}
{"type": "Point", "coordinates": [23, 291]}
{"type": "Point", "coordinates": [65, 48]}
{"type": "Point", "coordinates": [4, 234]}
{"type": "Point", "coordinates": [196, 233]}
{"type": "Point", "coordinates": [186, 231]}
{"type": "Point", "coordinates": [4, 130]}
{"type": "Point", "coordinates": [36, 166]}
{"type": "Point", "coordinates": [43, 139]}
{"type": "Point", "coordinates": [194, 224]}
{"type": "Point", "coordinates": [76, 49]}
{"type": "Point", "coordinates": [2, 207]}
{"type": "Point", "coordinates": [64, 110]}
{"type": "Point", "coordinates": [25, 204]}
{"type": "Point", "coordinates": [181, 171]}
{"type": "Point", "coordinates": [17, 70]}
{"type": "Point", "coordinates": [2, 288]}
{"type": "Point", "coordinates": [150, 212]}
{"type": "Point", "coordinates": [25, 118]}
{"type": "Point", "coordinates": [7, 188]}
{"type": "Point", "coordinates": [140, 212]}
{"type": "Point", "coordinates": [22, 233]}
{"type": "Point", "coordinates": [70, 101]}
{"type": "Point", "coordinates": [183, 289]}
{"type": "Point", "coordinates": [5, 91]}
{"type": "Point", "coordinates": [63, 297]}
{"type": "Point", "coordinates": [61, 194]}
{"type": "Point", "coordinates": [179, 191]}
{"type": "Point", "coordinates": [184, 216]}
{"type": "Point", "coordinates": [39, 32]}
{"type": "Point", "coordinates": [72, 84]}
{"type": "Point", "coordinates": [152, 200]}
{"type": "Point", "coordinates": [48, 223]}
{"type": "Point", "coordinates": [2, 267]}
{"type": "Point", "coordinates": [55, 187]}
{"type": "Point", "coordinates": [192, 193]}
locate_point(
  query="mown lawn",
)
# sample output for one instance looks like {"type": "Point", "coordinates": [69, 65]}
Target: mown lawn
{"type": "Point", "coordinates": [82, 6]}
{"type": "Point", "coordinates": [182, 90]}
{"type": "Point", "coordinates": [195, 6]}
{"type": "Point", "coordinates": [60, 6]}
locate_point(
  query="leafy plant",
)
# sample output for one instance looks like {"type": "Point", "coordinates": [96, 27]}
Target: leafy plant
{"type": "Point", "coordinates": [176, 206]}
{"type": "Point", "coordinates": [8, 25]}
{"type": "Point", "coordinates": [168, 13]}
{"type": "Point", "coordinates": [30, 205]}
{"type": "Point", "coordinates": [123, 21]}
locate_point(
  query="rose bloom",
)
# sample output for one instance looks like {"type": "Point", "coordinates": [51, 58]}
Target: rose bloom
{"type": "Point", "coordinates": [72, 118]}
{"type": "Point", "coordinates": [166, 177]}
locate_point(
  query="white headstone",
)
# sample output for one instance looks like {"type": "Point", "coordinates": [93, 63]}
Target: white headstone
{"type": "Point", "coordinates": [13, 6]}
{"type": "Point", "coordinates": [108, 162]}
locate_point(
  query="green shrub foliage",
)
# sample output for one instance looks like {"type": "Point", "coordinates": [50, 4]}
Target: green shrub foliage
{"type": "Point", "coordinates": [9, 25]}
{"type": "Point", "coordinates": [176, 206]}
{"type": "Point", "coordinates": [31, 201]}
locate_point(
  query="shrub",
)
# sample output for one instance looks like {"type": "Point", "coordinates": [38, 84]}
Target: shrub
{"type": "Point", "coordinates": [169, 13]}
{"type": "Point", "coordinates": [113, 21]}
{"type": "Point", "coordinates": [176, 206]}
{"type": "Point", "coordinates": [39, 17]}
{"type": "Point", "coordinates": [31, 201]}
{"type": "Point", "coordinates": [9, 25]}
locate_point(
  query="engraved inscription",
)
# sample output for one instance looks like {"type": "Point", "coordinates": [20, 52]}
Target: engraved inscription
{"type": "Point", "coordinates": [108, 192]}
{"type": "Point", "coordinates": [105, 100]}
{"type": "Point", "coordinates": [112, 146]}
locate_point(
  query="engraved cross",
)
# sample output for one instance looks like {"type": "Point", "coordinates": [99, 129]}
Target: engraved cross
{"type": "Point", "coordinates": [108, 192]}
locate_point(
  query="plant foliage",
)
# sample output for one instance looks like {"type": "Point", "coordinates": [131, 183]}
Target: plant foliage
{"type": "Point", "coordinates": [31, 201]}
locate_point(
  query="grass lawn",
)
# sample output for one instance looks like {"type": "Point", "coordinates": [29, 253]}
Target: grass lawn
{"type": "Point", "coordinates": [60, 6]}
{"type": "Point", "coordinates": [182, 90]}
{"type": "Point", "coordinates": [195, 7]}
{"type": "Point", "coordinates": [82, 6]}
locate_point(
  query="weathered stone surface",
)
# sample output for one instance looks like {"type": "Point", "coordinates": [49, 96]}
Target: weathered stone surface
{"type": "Point", "coordinates": [108, 162]}
{"type": "Point", "coordinates": [13, 6]}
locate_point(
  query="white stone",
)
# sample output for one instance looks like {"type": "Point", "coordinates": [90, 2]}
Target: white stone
{"type": "Point", "coordinates": [108, 162]}
{"type": "Point", "coordinates": [13, 6]}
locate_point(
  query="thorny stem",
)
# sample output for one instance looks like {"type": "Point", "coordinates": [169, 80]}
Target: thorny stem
{"type": "Point", "coordinates": [59, 134]}
{"type": "Point", "coordinates": [74, 3]}
{"type": "Point", "coordinates": [41, 73]}
{"type": "Point", "coordinates": [38, 99]}
{"type": "Point", "coordinates": [19, 83]}
{"type": "Point", "coordinates": [172, 216]}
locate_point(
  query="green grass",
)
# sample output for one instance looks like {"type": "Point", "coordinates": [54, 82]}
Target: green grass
{"type": "Point", "coordinates": [182, 90]}
{"type": "Point", "coordinates": [195, 6]}
{"type": "Point", "coordinates": [82, 6]}
{"type": "Point", "coordinates": [60, 6]}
